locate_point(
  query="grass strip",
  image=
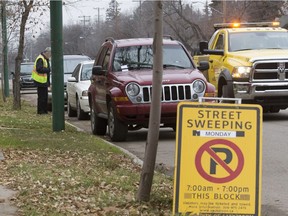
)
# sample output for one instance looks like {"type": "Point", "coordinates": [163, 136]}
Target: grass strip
{"type": "Point", "coordinates": [70, 172]}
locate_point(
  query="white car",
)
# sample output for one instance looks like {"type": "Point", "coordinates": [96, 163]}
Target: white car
{"type": "Point", "coordinates": [77, 90]}
{"type": "Point", "coordinates": [69, 63]}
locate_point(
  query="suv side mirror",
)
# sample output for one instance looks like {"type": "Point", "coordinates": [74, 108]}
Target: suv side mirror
{"type": "Point", "coordinates": [98, 70]}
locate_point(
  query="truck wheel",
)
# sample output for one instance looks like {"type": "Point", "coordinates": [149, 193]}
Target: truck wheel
{"type": "Point", "coordinates": [80, 114]}
{"type": "Point", "coordinates": [71, 113]}
{"type": "Point", "coordinates": [274, 109]}
{"type": "Point", "coordinates": [98, 125]}
{"type": "Point", "coordinates": [225, 94]}
{"type": "Point", "coordinates": [225, 91]}
{"type": "Point", "coordinates": [117, 130]}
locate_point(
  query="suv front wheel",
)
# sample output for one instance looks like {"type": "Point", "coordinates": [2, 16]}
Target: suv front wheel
{"type": "Point", "coordinates": [117, 129]}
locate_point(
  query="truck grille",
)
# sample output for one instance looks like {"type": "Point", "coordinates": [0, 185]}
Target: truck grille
{"type": "Point", "coordinates": [270, 71]}
{"type": "Point", "coordinates": [171, 93]}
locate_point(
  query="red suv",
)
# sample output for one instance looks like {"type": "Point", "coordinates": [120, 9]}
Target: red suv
{"type": "Point", "coordinates": [121, 88]}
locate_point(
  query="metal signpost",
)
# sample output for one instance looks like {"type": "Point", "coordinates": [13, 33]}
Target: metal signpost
{"type": "Point", "coordinates": [218, 159]}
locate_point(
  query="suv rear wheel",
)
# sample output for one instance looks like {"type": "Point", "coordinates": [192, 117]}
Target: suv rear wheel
{"type": "Point", "coordinates": [98, 125]}
{"type": "Point", "coordinates": [117, 129]}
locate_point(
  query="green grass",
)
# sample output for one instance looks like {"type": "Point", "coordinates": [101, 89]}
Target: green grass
{"type": "Point", "coordinates": [70, 172]}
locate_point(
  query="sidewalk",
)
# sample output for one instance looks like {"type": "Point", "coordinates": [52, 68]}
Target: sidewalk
{"type": "Point", "coordinates": [6, 209]}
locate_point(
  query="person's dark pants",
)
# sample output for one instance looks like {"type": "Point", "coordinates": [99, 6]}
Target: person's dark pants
{"type": "Point", "coordinates": [42, 101]}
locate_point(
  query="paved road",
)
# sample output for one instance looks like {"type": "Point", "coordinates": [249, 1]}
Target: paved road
{"type": "Point", "coordinates": [275, 159]}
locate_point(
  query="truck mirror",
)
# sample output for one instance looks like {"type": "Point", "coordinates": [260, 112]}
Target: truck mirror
{"type": "Point", "coordinates": [98, 70]}
{"type": "Point", "coordinates": [203, 45]}
{"type": "Point", "coordinates": [203, 65]}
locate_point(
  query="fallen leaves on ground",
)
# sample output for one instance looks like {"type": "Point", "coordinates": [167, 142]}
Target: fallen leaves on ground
{"type": "Point", "coordinates": [58, 182]}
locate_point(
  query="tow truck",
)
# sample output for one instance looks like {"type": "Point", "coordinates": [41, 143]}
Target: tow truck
{"type": "Point", "coordinates": [248, 61]}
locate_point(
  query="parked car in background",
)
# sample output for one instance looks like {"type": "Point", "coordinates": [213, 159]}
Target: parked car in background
{"type": "Point", "coordinates": [77, 90]}
{"type": "Point", "coordinates": [69, 64]}
{"type": "Point", "coordinates": [26, 80]}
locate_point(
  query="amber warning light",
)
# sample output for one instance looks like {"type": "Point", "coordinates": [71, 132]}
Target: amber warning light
{"type": "Point", "coordinates": [236, 25]}
{"type": "Point", "coordinates": [239, 25]}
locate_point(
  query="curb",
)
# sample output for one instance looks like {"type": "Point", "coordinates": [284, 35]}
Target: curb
{"type": "Point", "coordinates": [134, 157]}
{"type": "Point", "coordinates": [158, 167]}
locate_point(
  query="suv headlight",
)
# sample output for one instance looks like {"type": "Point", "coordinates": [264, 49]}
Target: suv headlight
{"type": "Point", "coordinates": [134, 92]}
{"type": "Point", "coordinates": [198, 86]}
{"type": "Point", "coordinates": [132, 89]}
{"type": "Point", "coordinates": [241, 72]}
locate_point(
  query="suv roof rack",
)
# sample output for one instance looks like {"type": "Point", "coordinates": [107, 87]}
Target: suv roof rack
{"type": "Point", "coordinates": [110, 39]}
{"type": "Point", "coordinates": [168, 37]}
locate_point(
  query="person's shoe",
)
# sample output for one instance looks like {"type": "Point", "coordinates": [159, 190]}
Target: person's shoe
{"type": "Point", "coordinates": [41, 113]}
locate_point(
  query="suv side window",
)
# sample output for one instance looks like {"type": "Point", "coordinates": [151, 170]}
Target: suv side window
{"type": "Point", "coordinates": [106, 60]}
{"type": "Point", "coordinates": [105, 57]}
{"type": "Point", "coordinates": [220, 42]}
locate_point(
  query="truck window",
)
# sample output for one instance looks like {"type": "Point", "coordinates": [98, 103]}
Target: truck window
{"type": "Point", "coordinates": [257, 40]}
{"type": "Point", "coordinates": [220, 42]}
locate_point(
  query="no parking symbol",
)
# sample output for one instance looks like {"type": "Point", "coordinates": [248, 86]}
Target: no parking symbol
{"type": "Point", "coordinates": [211, 149]}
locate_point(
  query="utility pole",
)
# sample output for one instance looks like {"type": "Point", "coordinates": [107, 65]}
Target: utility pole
{"type": "Point", "coordinates": [84, 20]}
{"type": "Point", "coordinates": [98, 14]}
{"type": "Point", "coordinates": [224, 11]}
{"type": "Point", "coordinates": [56, 23]}
{"type": "Point", "coordinates": [5, 77]}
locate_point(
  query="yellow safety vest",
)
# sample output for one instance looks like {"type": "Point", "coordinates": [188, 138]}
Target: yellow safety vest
{"type": "Point", "coordinates": [40, 77]}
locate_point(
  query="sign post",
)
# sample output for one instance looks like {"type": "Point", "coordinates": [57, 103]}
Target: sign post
{"type": "Point", "coordinates": [218, 159]}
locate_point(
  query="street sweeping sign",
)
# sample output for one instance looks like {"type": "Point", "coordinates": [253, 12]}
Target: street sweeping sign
{"type": "Point", "coordinates": [218, 159]}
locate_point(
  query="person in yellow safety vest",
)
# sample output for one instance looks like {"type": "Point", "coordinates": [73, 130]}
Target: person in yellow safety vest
{"type": "Point", "coordinates": [41, 77]}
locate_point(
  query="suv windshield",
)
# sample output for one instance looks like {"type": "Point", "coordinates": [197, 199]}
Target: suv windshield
{"type": "Point", "coordinates": [257, 40]}
{"type": "Point", "coordinates": [138, 57]}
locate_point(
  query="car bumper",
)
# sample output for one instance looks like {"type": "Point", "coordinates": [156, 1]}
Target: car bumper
{"type": "Point", "coordinates": [262, 93]}
{"type": "Point", "coordinates": [139, 114]}
{"type": "Point", "coordinates": [27, 84]}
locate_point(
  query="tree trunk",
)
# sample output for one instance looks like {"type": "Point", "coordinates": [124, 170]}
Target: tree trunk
{"type": "Point", "coordinates": [155, 110]}
{"type": "Point", "coordinates": [19, 57]}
